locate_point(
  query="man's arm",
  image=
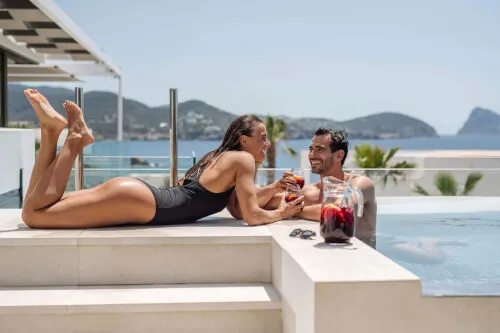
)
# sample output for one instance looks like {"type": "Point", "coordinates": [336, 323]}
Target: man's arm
{"type": "Point", "coordinates": [312, 204]}
{"type": "Point", "coordinates": [312, 212]}
{"type": "Point", "coordinates": [366, 224]}
{"type": "Point", "coordinates": [367, 187]}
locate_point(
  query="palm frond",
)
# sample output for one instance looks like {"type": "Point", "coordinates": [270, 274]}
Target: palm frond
{"type": "Point", "coordinates": [276, 132]}
{"type": "Point", "coordinates": [280, 126]}
{"type": "Point", "coordinates": [419, 189]}
{"type": "Point", "coordinates": [446, 184]}
{"type": "Point", "coordinates": [290, 151]}
{"type": "Point", "coordinates": [281, 136]}
{"type": "Point", "coordinates": [269, 121]}
{"type": "Point", "coordinates": [390, 154]}
{"type": "Point", "coordinates": [378, 158]}
{"type": "Point", "coordinates": [471, 182]}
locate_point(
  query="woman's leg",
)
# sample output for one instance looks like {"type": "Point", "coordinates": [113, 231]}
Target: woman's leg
{"type": "Point", "coordinates": [53, 182]}
{"type": "Point", "coordinates": [51, 126]}
{"type": "Point", "coordinates": [116, 202]}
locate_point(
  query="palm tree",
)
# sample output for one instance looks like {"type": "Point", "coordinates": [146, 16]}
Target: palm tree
{"type": "Point", "coordinates": [375, 157]}
{"type": "Point", "coordinates": [37, 145]}
{"type": "Point", "coordinates": [276, 132]}
{"type": "Point", "coordinates": [447, 185]}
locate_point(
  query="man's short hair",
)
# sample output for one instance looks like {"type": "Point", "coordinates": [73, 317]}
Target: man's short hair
{"type": "Point", "coordinates": [339, 140]}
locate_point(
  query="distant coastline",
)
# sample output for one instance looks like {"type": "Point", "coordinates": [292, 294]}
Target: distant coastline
{"type": "Point", "coordinates": [198, 120]}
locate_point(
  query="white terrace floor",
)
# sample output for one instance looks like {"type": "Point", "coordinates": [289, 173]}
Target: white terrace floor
{"type": "Point", "coordinates": [221, 276]}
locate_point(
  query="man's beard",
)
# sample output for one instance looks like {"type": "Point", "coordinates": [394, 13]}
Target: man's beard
{"type": "Point", "coordinates": [325, 167]}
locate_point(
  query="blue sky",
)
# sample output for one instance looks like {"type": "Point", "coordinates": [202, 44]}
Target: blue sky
{"type": "Point", "coordinates": [435, 60]}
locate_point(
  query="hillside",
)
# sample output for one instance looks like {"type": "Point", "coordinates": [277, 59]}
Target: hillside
{"type": "Point", "coordinates": [199, 120]}
{"type": "Point", "coordinates": [481, 122]}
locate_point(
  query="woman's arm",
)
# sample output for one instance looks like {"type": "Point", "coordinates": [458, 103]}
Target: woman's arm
{"type": "Point", "coordinates": [247, 196]}
{"type": "Point", "coordinates": [268, 197]}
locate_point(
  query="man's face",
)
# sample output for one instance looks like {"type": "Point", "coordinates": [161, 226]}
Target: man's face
{"type": "Point", "coordinates": [320, 154]}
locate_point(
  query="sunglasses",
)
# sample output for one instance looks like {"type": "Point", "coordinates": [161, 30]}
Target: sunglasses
{"type": "Point", "coordinates": [304, 234]}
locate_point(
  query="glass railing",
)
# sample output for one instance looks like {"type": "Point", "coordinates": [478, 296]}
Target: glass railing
{"type": "Point", "coordinates": [389, 182]}
{"type": "Point", "coordinates": [414, 181]}
{"type": "Point", "coordinates": [153, 169]}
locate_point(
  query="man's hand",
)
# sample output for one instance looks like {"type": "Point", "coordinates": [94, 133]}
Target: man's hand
{"type": "Point", "coordinates": [280, 185]}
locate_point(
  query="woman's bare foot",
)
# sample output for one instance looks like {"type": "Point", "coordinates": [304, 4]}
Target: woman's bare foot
{"type": "Point", "coordinates": [78, 131]}
{"type": "Point", "coordinates": [49, 118]}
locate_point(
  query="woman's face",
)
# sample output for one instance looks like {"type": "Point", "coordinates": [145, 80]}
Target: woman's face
{"type": "Point", "coordinates": [257, 143]}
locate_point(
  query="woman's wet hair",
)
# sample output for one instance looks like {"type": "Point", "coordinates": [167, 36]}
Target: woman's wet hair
{"type": "Point", "coordinates": [243, 125]}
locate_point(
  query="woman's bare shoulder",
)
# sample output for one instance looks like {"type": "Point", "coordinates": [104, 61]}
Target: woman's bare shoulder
{"type": "Point", "coordinates": [236, 157]}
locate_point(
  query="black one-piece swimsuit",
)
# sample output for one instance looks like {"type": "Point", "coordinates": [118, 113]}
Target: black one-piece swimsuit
{"type": "Point", "coordinates": [186, 203]}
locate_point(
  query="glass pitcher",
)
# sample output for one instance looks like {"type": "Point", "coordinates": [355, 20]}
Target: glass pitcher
{"type": "Point", "coordinates": [337, 223]}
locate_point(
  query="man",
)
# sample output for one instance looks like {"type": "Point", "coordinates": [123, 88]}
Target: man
{"type": "Point", "coordinates": [327, 154]}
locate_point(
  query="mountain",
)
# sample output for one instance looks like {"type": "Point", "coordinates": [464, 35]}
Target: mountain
{"type": "Point", "coordinates": [199, 120]}
{"type": "Point", "coordinates": [481, 122]}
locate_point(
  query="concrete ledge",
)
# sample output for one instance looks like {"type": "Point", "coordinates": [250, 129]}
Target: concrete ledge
{"type": "Point", "coordinates": [133, 299]}
{"type": "Point", "coordinates": [328, 287]}
{"type": "Point", "coordinates": [322, 288]}
{"type": "Point", "coordinates": [357, 289]}
{"type": "Point", "coordinates": [219, 251]}
{"type": "Point", "coordinates": [321, 261]}
{"type": "Point", "coordinates": [246, 308]}
{"type": "Point", "coordinates": [211, 230]}
{"type": "Point", "coordinates": [249, 321]}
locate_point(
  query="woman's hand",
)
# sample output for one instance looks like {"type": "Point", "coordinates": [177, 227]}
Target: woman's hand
{"type": "Point", "coordinates": [281, 184]}
{"type": "Point", "coordinates": [289, 209]}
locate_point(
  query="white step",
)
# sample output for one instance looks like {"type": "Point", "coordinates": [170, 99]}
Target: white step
{"type": "Point", "coordinates": [243, 308]}
{"type": "Point", "coordinates": [218, 250]}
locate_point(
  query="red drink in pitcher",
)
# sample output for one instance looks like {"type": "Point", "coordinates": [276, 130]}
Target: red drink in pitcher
{"type": "Point", "coordinates": [337, 223]}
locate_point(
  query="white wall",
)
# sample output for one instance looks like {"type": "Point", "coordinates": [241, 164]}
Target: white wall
{"type": "Point", "coordinates": [17, 151]}
{"type": "Point", "coordinates": [450, 159]}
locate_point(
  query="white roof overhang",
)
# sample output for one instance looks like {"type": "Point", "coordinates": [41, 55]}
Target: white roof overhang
{"type": "Point", "coordinates": [39, 36]}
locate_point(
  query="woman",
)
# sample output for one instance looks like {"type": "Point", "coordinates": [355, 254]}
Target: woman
{"type": "Point", "coordinates": [205, 190]}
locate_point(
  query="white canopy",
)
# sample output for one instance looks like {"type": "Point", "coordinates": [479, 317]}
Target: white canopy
{"type": "Point", "coordinates": [44, 45]}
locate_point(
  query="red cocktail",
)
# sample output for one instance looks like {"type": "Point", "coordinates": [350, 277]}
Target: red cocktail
{"type": "Point", "coordinates": [292, 192]}
{"type": "Point", "coordinates": [337, 223]}
{"type": "Point", "coordinates": [290, 197]}
{"type": "Point", "coordinates": [298, 174]}
{"type": "Point", "coordinates": [299, 180]}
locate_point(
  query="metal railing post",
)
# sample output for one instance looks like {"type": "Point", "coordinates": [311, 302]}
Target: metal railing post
{"type": "Point", "coordinates": [21, 189]}
{"type": "Point", "coordinates": [79, 159]}
{"type": "Point", "coordinates": [173, 137]}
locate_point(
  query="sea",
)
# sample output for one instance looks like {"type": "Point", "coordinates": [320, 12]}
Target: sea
{"type": "Point", "coordinates": [198, 148]}
{"type": "Point", "coordinates": [107, 159]}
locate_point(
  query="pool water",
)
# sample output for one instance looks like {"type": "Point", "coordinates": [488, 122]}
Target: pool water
{"type": "Point", "coordinates": [453, 253]}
